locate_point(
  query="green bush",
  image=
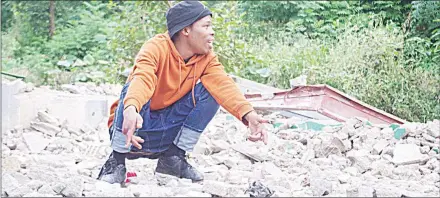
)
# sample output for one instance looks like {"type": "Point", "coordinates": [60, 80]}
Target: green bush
{"type": "Point", "coordinates": [136, 22]}
{"type": "Point", "coordinates": [422, 47]}
{"type": "Point", "coordinates": [366, 64]}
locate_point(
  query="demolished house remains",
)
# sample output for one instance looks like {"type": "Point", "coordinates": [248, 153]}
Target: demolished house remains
{"type": "Point", "coordinates": [321, 143]}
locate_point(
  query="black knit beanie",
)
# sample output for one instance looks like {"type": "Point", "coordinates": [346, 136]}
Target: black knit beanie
{"type": "Point", "coordinates": [184, 14]}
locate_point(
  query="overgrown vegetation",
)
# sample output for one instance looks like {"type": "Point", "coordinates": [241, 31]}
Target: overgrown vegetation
{"type": "Point", "coordinates": [385, 53]}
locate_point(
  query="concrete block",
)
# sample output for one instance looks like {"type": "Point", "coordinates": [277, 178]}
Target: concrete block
{"type": "Point", "coordinates": [20, 191]}
{"type": "Point", "coordinates": [379, 146]}
{"type": "Point", "coordinates": [45, 117]}
{"type": "Point", "coordinates": [404, 154]}
{"type": "Point", "coordinates": [80, 109]}
{"type": "Point", "coordinates": [219, 145]}
{"type": "Point", "coordinates": [434, 128]}
{"type": "Point", "coordinates": [74, 187]}
{"type": "Point", "coordinates": [343, 178]}
{"type": "Point", "coordinates": [319, 185]}
{"type": "Point", "coordinates": [35, 141]}
{"type": "Point", "coordinates": [9, 183]}
{"type": "Point", "coordinates": [46, 128]}
{"type": "Point", "coordinates": [46, 189]}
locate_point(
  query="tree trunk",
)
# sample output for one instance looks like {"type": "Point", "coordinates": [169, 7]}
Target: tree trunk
{"type": "Point", "coordinates": [51, 18]}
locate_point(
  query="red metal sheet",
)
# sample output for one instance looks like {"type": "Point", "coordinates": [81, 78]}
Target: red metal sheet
{"type": "Point", "coordinates": [324, 99]}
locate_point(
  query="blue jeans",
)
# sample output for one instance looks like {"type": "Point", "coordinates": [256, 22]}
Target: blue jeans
{"type": "Point", "coordinates": [180, 123]}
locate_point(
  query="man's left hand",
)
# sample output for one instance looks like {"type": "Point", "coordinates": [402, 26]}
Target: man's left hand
{"type": "Point", "coordinates": [255, 123]}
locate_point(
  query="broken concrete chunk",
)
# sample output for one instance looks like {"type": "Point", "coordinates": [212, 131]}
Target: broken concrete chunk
{"type": "Point", "coordinates": [360, 160]}
{"type": "Point", "coordinates": [139, 190]}
{"type": "Point", "coordinates": [348, 145]}
{"type": "Point", "coordinates": [412, 140]}
{"type": "Point", "coordinates": [74, 187]}
{"type": "Point", "coordinates": [201, 149]}
{"type": "Point", "coordinates": [374, 133]}
{"type": "Point", "coordinates": [11, 164]}
{"type": "Point", "coordinates": [366, 191]}
{"type": "Point", "coordinates": [46, 128]}
{"type": "Point", "coordinates": [382, 167]}
{"type": "Point", "coordinates": [20, 191]}
{"type": "Point", "coordinates": [424, 149]}
{"type": "Point", "coordinates": [343, 135]}
{"type": "Point", "coordinates": [434, 128]}
{"type": "Point", "coordinates": [329, 147]}
{"type": "Point", "coordinates": [219, 158]}
{"type": "Point", "coordinates": [163, 179]}
{"type": "Point", "coordinates": [238, 177]}
{"type": "Point", "coordinates": [412, 128]}
{"type": "Point", "coordinates": [404, 154]}
{"type": "Point", "coordinates": [379, 146]}
{"type": "Point", "coordinates": [431, 178]}
{"type": "Point", "coordinates": [351, 171]}
{"type": "Point", "coordinates": [46, 189]}
{"type": "Point", "coordinates": [357, 144]}
{"type": "Point", "coordinates": [35, 141]}
{"type": "Point", "coordinates": [433, 164]}
{"type": "Point", "coordinates": [71, 88]}
{"type": "Point", "coordinates": [428, 137]}
{"type": "Point", "coordinates": [343, 178]}
{"type": "Point", "coordinates": [9, 183]}
{"type": "Point", "coordinates": [245, 165]}
{"type": "Point", "coordinates": [425, 170]}
{"type": "Point", "coordinates": [355, 122]}
{"type": "Point", "coordinates": [388, 151]}
{"type": "Point", "coordinates": [407, 172]}
{"type": "Point", "coordinates": [11, 144]}
{"type": "Point", "coordinates": [231, 162]}
{"type": "Point", "coordinates": [271, 169]}
{"type": "Point", "coordinates": [63, 134]}
{"type": "Point", "coordinates": [221, 189]}
{"type": "Point", "coordinates": [45, 117]}
{"type": "Point", "coordinates": [75, 131]}
{"type": "Point", "coordinates": [172, 183]}
{"type": "Point", "coordinates": [308, 155]}
{"type": "Point", "coordinates": [319, 185]}
{"type": "Point", "coordinates": [339, 161]}
{"type": "Point", "coordinates": [252, 152]}
{"type": "Point", "coordinates": [387, 133]}
{"type": "Point", "coordinates": [219, 145]}
{"type": "Point", "coordinates": [322, 162]}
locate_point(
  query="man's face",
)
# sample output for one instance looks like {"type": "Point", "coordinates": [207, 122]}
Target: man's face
{"type": "Point", "coordinates": [201, 35]}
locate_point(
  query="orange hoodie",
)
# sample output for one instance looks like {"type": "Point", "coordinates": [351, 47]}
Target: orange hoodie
{"type": "Point", "coordinates": [160, 74]}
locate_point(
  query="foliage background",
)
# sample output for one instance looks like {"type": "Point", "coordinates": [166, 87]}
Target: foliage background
{"type": "Point", "coordinates": [385, 53]}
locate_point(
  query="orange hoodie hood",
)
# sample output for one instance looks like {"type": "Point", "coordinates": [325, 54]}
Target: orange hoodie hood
{"type": "Point", "coordinates": [161, 75]}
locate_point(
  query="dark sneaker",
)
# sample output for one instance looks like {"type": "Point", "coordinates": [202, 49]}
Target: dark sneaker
{"type": "Point", "coordinates": [111, 172]}
{"type": "Point", "coordinates": [177, 165]}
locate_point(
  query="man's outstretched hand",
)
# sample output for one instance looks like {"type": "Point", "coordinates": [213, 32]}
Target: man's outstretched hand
{"type": "Point", "coordinates": [255, 122]}
{"type": "Point", "coordinates": [132, 120]}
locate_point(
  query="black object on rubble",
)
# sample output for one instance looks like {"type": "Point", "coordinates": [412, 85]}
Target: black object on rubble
{"type": "Point", "coordinates": [257, 189]}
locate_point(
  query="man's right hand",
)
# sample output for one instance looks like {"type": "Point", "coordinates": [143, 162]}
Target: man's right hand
{"type": "Point", "coordinates": [132, 120]}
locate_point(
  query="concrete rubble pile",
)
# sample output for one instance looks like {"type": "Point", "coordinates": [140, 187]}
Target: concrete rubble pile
{"type": "Point", "coordinates": [53, 158]}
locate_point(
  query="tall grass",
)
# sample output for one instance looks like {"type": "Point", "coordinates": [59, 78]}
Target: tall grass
{"type": "Point", "coordinates": [367, 64]}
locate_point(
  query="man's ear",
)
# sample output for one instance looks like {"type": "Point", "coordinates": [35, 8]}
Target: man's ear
{"type": "Point", "coordinates": [186, 30]}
